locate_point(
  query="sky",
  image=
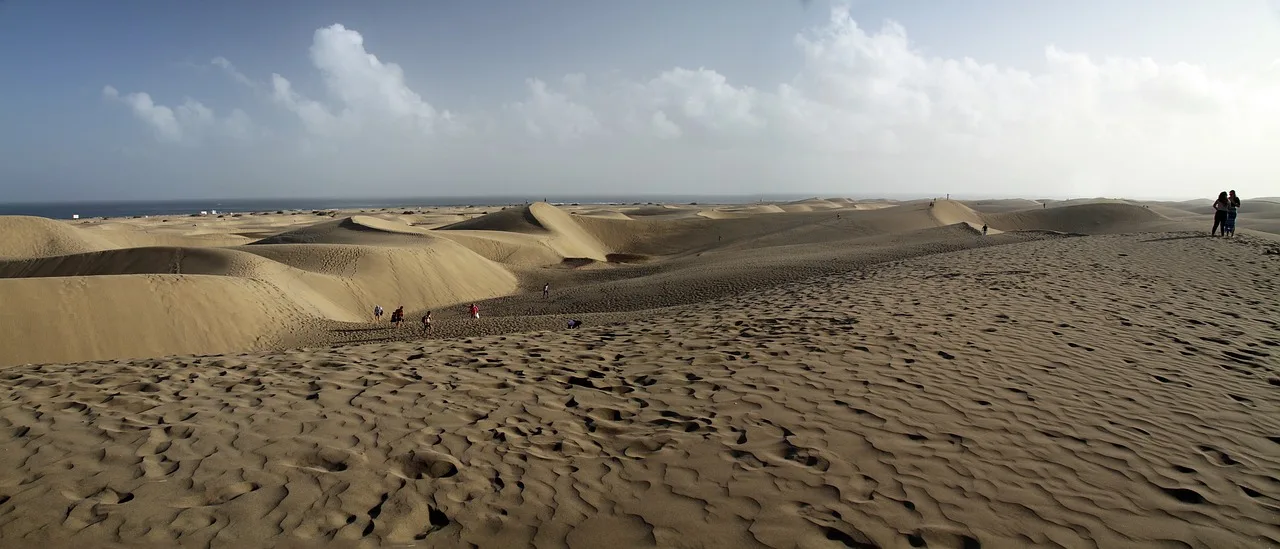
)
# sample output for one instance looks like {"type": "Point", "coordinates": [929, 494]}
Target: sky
{"type": "Point", "coordinates": [134, 100]}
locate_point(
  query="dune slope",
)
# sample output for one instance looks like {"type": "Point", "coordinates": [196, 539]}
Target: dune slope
{"type": "Point", "coordinates": [70, 318]}
{"type": "Point", "coordinates": [1092, 218]}
{"type": "Point", "coordinates": [297, 287]}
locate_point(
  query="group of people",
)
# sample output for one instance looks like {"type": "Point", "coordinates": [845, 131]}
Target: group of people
{"type": "Point", "coordinates": [1224, 214]}
{"type": "Point", "coordinates": [397, 316]}
{"type": "Point", "coordinates": [473, 310]}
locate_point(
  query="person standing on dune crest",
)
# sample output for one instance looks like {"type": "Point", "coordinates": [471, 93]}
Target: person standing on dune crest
{"type": "Point", "coordinates": [1233, 204]}
{"type": "Point", "coordinates": [1220, 207]}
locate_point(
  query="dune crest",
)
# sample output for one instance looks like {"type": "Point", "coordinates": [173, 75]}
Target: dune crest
{"type": "Point", "coordinates": [30, 237]}
{"type": "Point", "coordinates": [26, 237]}
{"type": "Point", "coordinates": [501, 235]}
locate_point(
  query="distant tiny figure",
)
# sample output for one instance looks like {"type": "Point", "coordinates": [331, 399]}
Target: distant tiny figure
{"type": "Point", "coordinates": [546, 290]}
{"type": "Point", "coordinates": [397, 316]}
{"type": "Point", "coordinates": [1220, 213]}
{"type": "Point", "coordinates": [474, 310]}
{"type": "Point", "coordinates": [574, 324]}
{"type": "Point", "coordinates": [426, 322]}
{"type": "Point", "coordinates": [377, 313]}
{"type": "Point", "coordinates": [984, 229]}
{"type": "Point", "coordinates": [1233, 204]}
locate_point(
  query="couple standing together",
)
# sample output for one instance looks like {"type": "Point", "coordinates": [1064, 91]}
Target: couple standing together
{"type": "Point", "coordinates": [1224, 213]}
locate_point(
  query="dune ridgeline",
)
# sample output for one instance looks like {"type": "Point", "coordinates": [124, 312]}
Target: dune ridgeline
{"type": "Point", "coordinates": [117, 289]}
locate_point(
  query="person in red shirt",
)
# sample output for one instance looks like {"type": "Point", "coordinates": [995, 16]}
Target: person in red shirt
{"type": "Point", "coordinates": [474, 310]}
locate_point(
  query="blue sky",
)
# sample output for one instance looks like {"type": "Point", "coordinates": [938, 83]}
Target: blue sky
{"type": "Point", "coordinates": [1129, 98]}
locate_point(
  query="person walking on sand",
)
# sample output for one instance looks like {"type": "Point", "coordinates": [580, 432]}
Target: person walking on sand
{"type": "Point", "coordinates": [1220, 214]}
{"type": "Point", "coordinates": [377, 313]}
{"type": "Point", "coordinates": [546, 290]}
{"type": "Point", "coordinates": [474, 310]}
{"type": "Point", "coordinates": [1233, 204]}
{"type": "Point", "coordinates": [426, 323]}
{"type": "Point", "coordinates": [397, 316]}
{"type": "Point", "coordinates": [984, 229]}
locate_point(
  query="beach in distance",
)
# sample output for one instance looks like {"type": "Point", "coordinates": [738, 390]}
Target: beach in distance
{"type": "Point", "coordinates": [690, 372]}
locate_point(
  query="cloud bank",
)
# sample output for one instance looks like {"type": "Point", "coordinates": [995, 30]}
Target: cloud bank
{"type": "Point", "coordinates": [867, 112]}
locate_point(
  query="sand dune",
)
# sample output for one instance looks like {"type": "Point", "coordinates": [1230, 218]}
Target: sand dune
{"type": "Point", "coordinates": [38, 237]}
{"type": "Point", "coordinates": [27, 237]}
{"type": "Point", "coordinates": [606, 214]}
{"type": "Point", "coordinates": [69, 318]}
{"type": "Point", "coordinates": [811, 205]}
{"type": "Point", "coordinates": [1090, 218]}
{"type": "Point", "coordinates": [1002, 206]}
{"type": "Point", "coordinates": [720, 214]}
{"type": "Point", "coordinates": [665, 210]}
{"type": "Point", "coordinates": [297, 286]}
{"type": "Point", "coordinates": [1030, 390]}
{"type": "Point", "coordinates": [359, 229]}
{"type": "Point", "coordinates": [330, 268]}
{"type": "Point", "coordinates": [822, 373]}
{"type": "Point", "coordinates": [549, 226]}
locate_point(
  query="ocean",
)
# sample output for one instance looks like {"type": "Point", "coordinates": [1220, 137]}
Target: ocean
{"type": "Point", "coordinates": [86, 210]}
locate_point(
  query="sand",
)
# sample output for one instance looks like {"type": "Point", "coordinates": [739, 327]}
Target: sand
{"type": "Point", "coordinates": [1095, 375]}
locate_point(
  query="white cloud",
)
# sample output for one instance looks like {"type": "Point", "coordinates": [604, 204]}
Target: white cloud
{"type": "Point", "coordinates": [159, 117]}
{"type": "Point", "coordinates": [314, 115]}
{"type": "Point", "coordinates": [188, 121]}
{"type": "Point", "coordinates": [233, 72]}
{"type": "Point", "coordinates": [663, 127]}
{"type": "Point", "coordinates": [369, 93]}
{"type": "Point", "coordinates": [863, 106]}
{"type": "Point", "coordinates": [550, 114]}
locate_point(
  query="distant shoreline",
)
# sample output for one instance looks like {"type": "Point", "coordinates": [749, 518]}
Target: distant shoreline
{"type": "Point", "coordinates": [120, 209]}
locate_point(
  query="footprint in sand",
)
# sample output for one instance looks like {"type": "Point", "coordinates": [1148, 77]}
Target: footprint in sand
{"type": "Point", "coordinates": [229, 492]}
{"type": "Point", "coordinates": [424, 464]}
{"type": "Point", "coordinates": [805, 456]}
{"type": "Point", "coordinates": [325, 461]}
